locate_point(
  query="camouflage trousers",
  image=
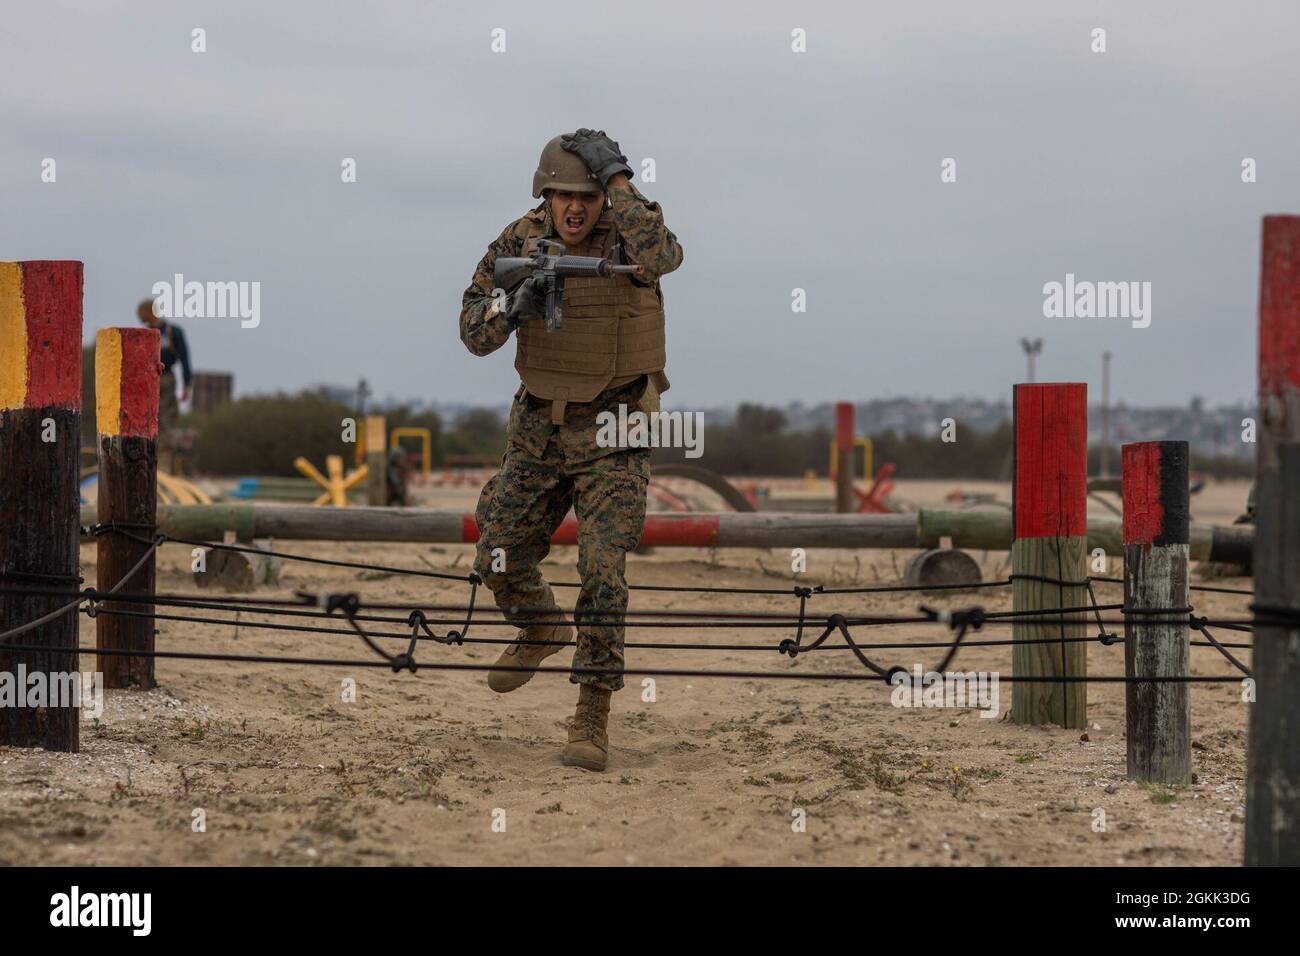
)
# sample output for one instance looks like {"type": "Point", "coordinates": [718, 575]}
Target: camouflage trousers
{"type": "Point", "coordinates": [169, 412]}
{"type": "Point", "coordinates": [548, 469]}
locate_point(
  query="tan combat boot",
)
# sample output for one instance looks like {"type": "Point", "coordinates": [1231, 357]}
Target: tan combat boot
{"type": "Point", "coordinates": [527, 655]}
{"type": "Point", "coordinates": [588, 741]}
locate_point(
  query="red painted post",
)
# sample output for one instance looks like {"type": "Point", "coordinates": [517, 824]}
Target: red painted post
{"type": "Point", "coordinates": [126, 403]}
{"type": "Point", "coordinates": [1157, 715]}
{"type": "Point", "coordinates": [40, 438]}
{"type": "Point", "coordinates": [1273, 754]}
{"type": "Point", "coordinates": [844, 457]}
{"type": "Point", "coordinates": [1049, 552]}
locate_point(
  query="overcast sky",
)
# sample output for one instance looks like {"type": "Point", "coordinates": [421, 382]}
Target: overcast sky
{"type": "Point", "coordinates": [777, 170]}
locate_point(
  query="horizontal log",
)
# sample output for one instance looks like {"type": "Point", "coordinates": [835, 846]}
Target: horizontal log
{"type": "Point", "coordinates": [973, 530]}
{"type": "Point", "coordinates": [991, 530]}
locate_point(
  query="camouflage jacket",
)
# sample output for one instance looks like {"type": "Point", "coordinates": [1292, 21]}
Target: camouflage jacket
{"type": "Point", "coordinates": [640, 226]}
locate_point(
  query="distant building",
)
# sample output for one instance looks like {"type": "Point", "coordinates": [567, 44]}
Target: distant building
{"type": "Point", "coordinates": [211, 389]}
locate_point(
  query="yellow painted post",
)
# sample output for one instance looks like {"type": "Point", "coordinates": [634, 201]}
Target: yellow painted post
{"type": "Point", "coordinates": [334, 468]}
{"type": "Point", "coordinates": [376, 442]}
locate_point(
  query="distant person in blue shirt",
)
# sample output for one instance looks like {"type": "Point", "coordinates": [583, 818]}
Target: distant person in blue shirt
{"type": "Point", "coordinates": [174, 349]}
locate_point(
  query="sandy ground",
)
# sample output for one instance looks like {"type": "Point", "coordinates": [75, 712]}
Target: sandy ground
{"type": "Point", "coordinates": [712, 771]}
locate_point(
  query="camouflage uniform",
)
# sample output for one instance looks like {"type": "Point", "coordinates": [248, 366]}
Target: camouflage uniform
{"type": "Point", "coordinates": [169, 412]}
{"type": "Point", "coordinates": [549, 468]}
{"type": "Point", "coordinates": [173, 349]}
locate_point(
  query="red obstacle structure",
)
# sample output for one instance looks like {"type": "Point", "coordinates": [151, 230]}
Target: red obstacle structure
{"type": "Point", "coordinates": [1158, 714]}
{"type": "Point", "coordinates": [40, 438]}
{"type": "Point", "coordinates": [1049, 553]}
{"type": "Point", "coordinates": [1273, 757]}
{"type": "Point", "coordinates": [127, 369]}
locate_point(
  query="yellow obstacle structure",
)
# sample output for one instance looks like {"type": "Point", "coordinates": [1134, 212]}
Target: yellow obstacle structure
{"type": "Point", "coordinates": [172, 490]}
{"type": "Point", "coordinates": [180, 491]}
{"type": "Point", "coordinates": [336, 485]}
{"type": "Point", "coordinates": [867, 452]}
{"type": "Point", "coordinates": [426, 444]}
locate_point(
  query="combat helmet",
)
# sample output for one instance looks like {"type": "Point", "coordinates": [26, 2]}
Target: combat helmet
{"type": "Point", "coordinates": [559, 169]}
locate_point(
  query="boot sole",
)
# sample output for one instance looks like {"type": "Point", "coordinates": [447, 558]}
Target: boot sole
{"type": "Point", "coordinates": [583, 764]}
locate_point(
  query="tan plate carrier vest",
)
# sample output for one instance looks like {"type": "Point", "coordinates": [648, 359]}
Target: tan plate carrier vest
{"type": "Point", "coordinates": [613, 328]}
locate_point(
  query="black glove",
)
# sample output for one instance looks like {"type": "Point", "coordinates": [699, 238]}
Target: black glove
{"type": "Point", "coordinates": [599, 152]}
{"type": "Point", "coordinates": [526, 302]}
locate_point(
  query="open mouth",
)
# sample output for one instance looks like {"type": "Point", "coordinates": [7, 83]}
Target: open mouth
{"type": "Point", "coordinates": [574, 223]}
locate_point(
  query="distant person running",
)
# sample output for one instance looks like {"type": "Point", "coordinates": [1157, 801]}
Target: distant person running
{"type": "Point", "coordinates": [174, 349]}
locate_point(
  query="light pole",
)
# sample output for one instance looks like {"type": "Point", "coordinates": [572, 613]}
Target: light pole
{"type": "Point", "coordinates": [1032, 347]}
{"type": "Point", "coordinates": [363, 392]}
{"type": "Point", "coordinates": [1105, 414]}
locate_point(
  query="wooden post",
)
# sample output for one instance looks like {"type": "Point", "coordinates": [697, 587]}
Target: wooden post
{"type": "Point", "coordinates": [40, 437]}
{"type": "Point", "coordinates": [1158, 716]}
{"type": "Point", "coordinates": [126, 418]}
{"type": "Point", "coordinates": [844, 457]}
{"type": "Point", "coordinates": [1273, 755]}
{"type": "Point", "coordinates": [376, 461]}
{"type": "Point", "coordinates": [1049, 540]}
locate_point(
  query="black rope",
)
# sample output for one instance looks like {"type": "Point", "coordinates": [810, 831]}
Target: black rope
{"type": "Point", "coordinates": [349, 605]}
{"type": "Point", "coordinates": [74, 579]}
{"type": "Point", "coordinates": [1202, 625]}
{"type": "Point", "coordinates": [418, 572]}
{"type": "Point", "coordinates": [89, 594]}
{"type": "Point", "coordinates": [43, 619]}
{"type": "Point", "coordinates": [1044, 579]}
{"type": "Point", "coordinates": [1276, 615]}
{"type": "Point", "coordinates": [599, 672]}
{"type": "Point", "coordinates": [1104, 636]}
{"type": "Point", "coordinates": [450, 639]}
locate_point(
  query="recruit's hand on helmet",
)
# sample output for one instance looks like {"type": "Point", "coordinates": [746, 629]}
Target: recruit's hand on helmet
{"type": "Point", "coordinates": [599, 152]}
{"type": "Point", "coordinates": [526, 302]}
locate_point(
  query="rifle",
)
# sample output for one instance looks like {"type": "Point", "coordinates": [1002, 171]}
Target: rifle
{"type": "Point", "coordinates": [549, 267]}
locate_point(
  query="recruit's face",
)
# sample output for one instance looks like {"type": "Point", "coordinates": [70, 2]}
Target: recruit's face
{"type": "Point", "coordinates": [575, 214]}
{"type": "Point", "coordinates": [145, 312]}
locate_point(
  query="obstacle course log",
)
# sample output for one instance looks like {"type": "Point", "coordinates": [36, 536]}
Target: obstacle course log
{"type": "Point", "coordinates": [935, 566]}
{"type": "Point", "coordinates": [991, 530]}
{"type": "Point", "coordinates": [40, 435]}
{"type": "Point", "coordinates": [726, 529]}
{"type": "Point", "coordinates": [844, 458]}
{"type": "Point", "coordinates": [126, 421]}
{"type": "Point", "coordinates": [1049, 511]}
{"type": "Point", "coordinates": [1273, 752]}
{"type": "Point", "coordinates": [1157, 715]}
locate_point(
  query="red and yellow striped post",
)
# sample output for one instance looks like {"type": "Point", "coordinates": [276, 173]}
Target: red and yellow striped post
{"type": "Point", "coordinates": [1273, 753]}
{"type": "Point", "coordinates": [1157, 715]}
{"type": "Point", "coordinates": [127, 369]}
{"type": "Point", "coordinates": [40, 435]}
{"type": "Point", "coordinates": [1049, 553]}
